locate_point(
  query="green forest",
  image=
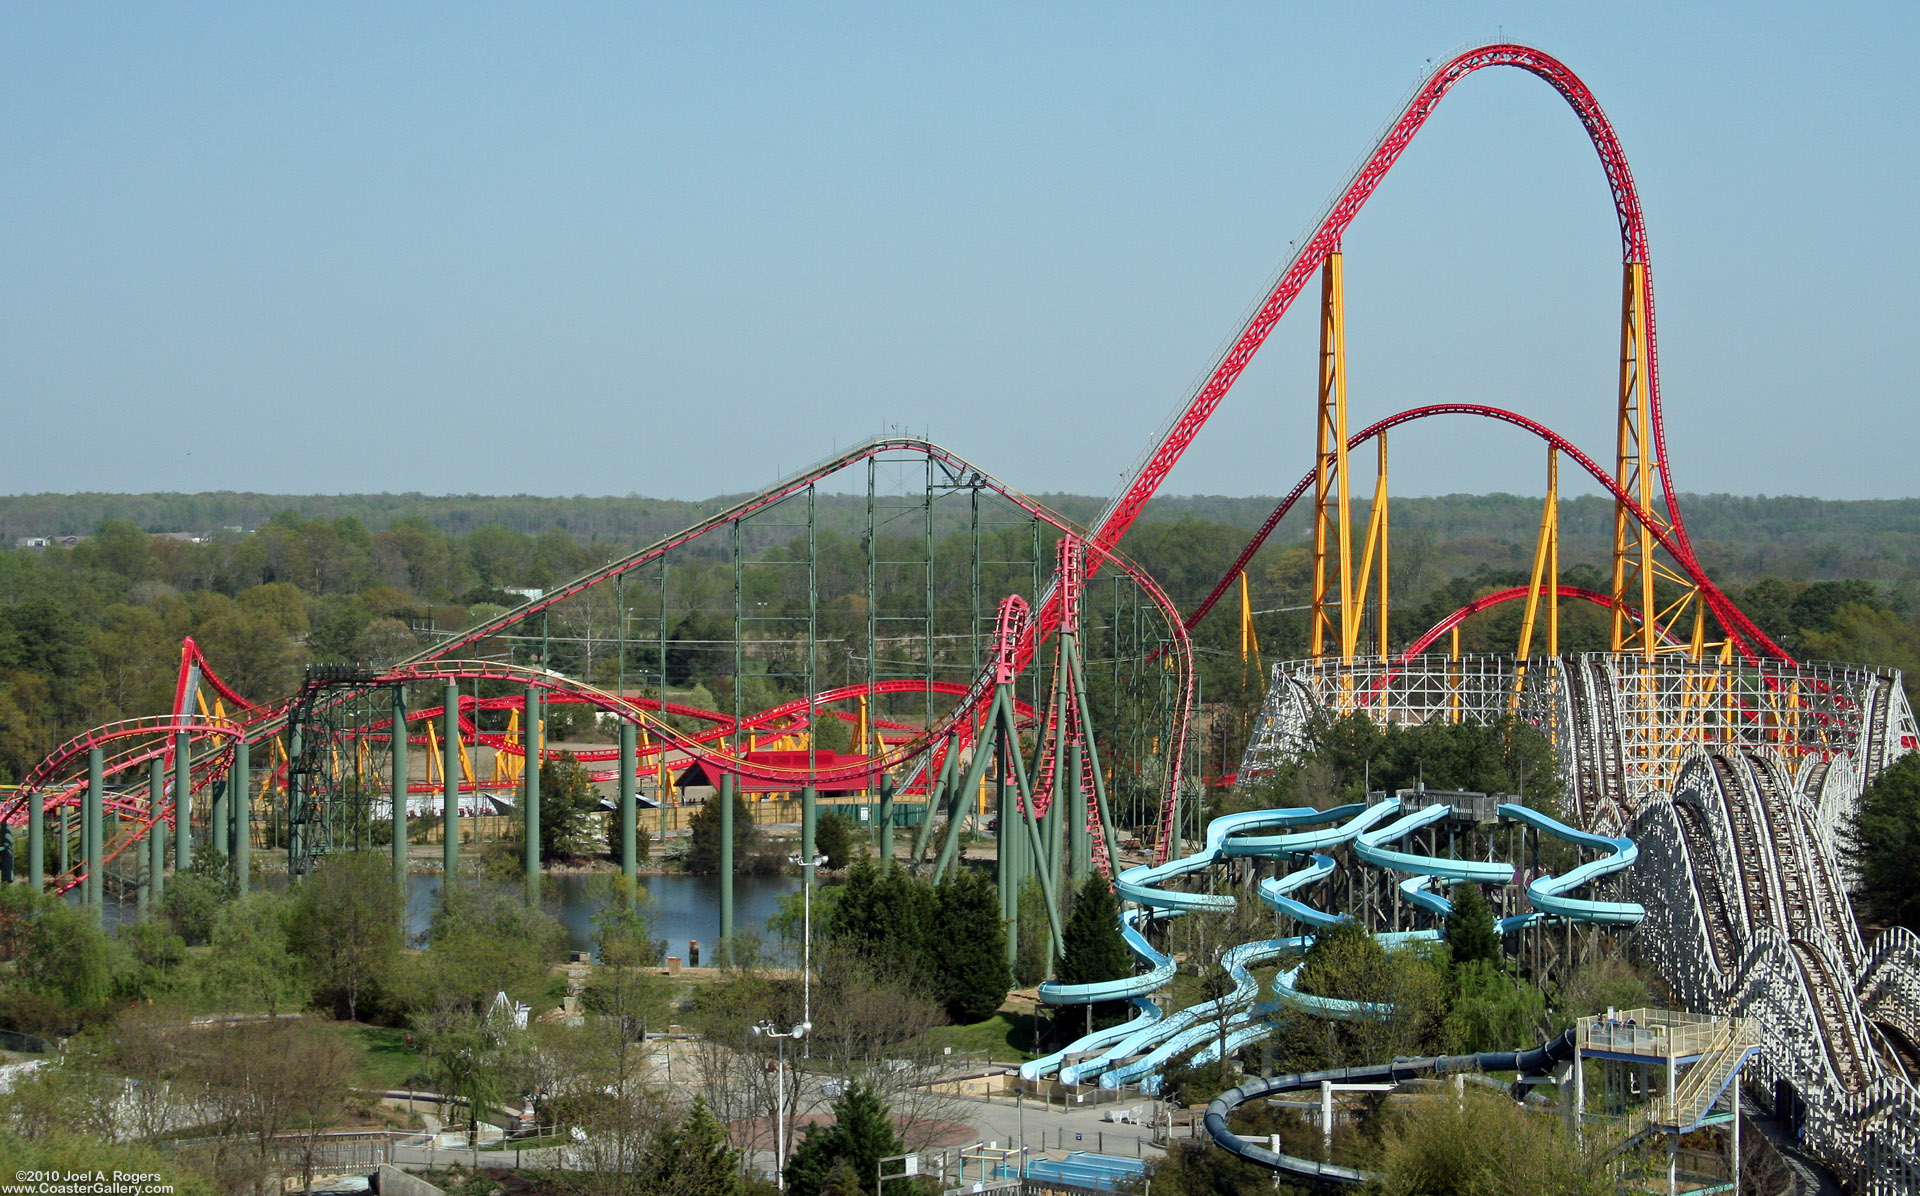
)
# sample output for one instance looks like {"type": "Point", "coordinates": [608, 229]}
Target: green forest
{"type": "Point", "coordinates": [92, 633]}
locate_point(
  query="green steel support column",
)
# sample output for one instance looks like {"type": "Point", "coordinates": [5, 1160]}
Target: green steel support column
{"type": "Point", "coordinates": [217, 818]}
{"type": "Point", "coordinates": [398, 790]}
{"type": "Point", "coordinates": [450, 784]}
{"type": "Point", "coordinates": [182, 802]}
{"type": "Point", "coordinates": [1003, 861]}
{"type": "Point", "coordinates": [961, 806]}
{"type": "Point", "coordinates": [726, 867]}
{"type": "Point", "coordinates": [973, 624]}
{"type": "Point", "coordinates": [294, 830]}
{"type": "Point", "coordinates": [240, 810]}
{"type": "Point", "coordinates": [66, 839]}
{"type": "Point", "coordinates": [936, 798]}
{"type": "Point", "coordinates": [873, 607]}
{"type": "Point", "coordinates": [660, 791]}
{"type": "Point", "coordinates": [1054, 821]}
{"type": "Point", "coordinates": [886, 821]}
{"type": "Point", "coordinates": [808, 794]}
{"type": "Point", "coordinates": [1080, 850]}
{"type": "Point", "coordinates": [1099, 777]}
{"type": "Point", "coordinates": [629, 815]}
{"type": "Point", "coordinates": [96, 858]}
{"type": "Point", "coordinates": [143, 901]}
{"type": "Point", "coordinates": [1054, 865]}
{"type": "Point", "coordinates": [530, 788]}
{"type": "Point", "coordinates": [733, 745]}
{"type": "Point", "coordinates": [37, 842]}
{"type": "Point", "coordinates": [157, 834]}
{"type": "Point", "coordinates": [809, 818]}
{"type": "Point", "coordinates": [1023, 793]}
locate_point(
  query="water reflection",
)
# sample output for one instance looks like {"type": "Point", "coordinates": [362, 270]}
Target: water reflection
{"type": "Point", "coordinates": [684, 907]}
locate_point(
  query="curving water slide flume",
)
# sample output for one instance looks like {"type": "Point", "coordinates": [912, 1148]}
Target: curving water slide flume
{"type": "Point", "coordinates": [1138, 1049]}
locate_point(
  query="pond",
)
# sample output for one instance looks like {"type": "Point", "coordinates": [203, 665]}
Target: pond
{"type": "Point", "coordinates": [685, 908]}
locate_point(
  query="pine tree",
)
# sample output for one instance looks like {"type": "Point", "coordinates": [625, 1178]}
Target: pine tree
{"type": "Point", "coordinates": [861, 1135]}
{"type": "Point", "coordinates": [1095, 949]}
{"type": "Point", "coordinates": [1471, 933]}
{"type": "Point", "coordinates": [972, 949]}
{"type": "Point", "coordinates": [1881, 844]}
{"type": "Point", "coordinates": [703, 850]}
{"type": "Point", "coordinates": [1035, 955]}
{"type": "Point", "coordinates": [894, 920]}
{"type": "Point", "coordinates": [693, 1158]}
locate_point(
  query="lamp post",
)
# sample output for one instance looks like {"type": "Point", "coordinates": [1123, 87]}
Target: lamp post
{"type": "Point", "coordinates": [765, 1029]}
{"type": "Point", "coordinates": [806, 938]}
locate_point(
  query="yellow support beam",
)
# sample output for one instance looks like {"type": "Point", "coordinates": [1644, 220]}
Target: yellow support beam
{"type": "Point", "coordinates": [1546, 568]}
{"type": "Point", "coordinates": [1330, 469]}
{"type": "Point", "coordinates": [1636, 464]}
{"type": "Point", "coordinates": [1376, 545]}
{"type": "Point", "coordinates": [1249, 637]}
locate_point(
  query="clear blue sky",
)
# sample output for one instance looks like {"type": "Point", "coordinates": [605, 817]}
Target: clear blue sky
{"type": "Point", "coordinates": [679, 250]}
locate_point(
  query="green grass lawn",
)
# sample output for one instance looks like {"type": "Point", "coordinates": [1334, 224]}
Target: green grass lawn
{"type": "Point", "coordinates": [1006, 1035]}
{"type": "Point", "coordinates": [386, 1059]}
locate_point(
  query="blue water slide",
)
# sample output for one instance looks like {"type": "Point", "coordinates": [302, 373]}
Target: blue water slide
{"type": "Point", "coordinates": [1414, 890]}
{"type": "Point", "coordinates": [1548, 894]}
{"type": "Point", "coordinates": [1160, 970]}
{"type": "Point", "coordinates": [1277, 892]}
{"type": "Point", "coordinates": [1151, 1038]}
{"type": "Point", "coordinates": [1142, 886]}
{"type": "Point", "coordinates": [1148, 1038]}
{"type": "Point", "coordinates": [1190, 1027]}
{"type": "Point", "coordinates": [1287, 993]}
{"type": "Point", "coordinates": [1347, 821]}
{"type": "Point", "coordinates": [1369, 848]}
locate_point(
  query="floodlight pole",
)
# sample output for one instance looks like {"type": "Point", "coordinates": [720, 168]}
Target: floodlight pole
{"type": "Point", "coordinates": [806, 942]}
{"type": "Point", "coordinates": [766, 1029]}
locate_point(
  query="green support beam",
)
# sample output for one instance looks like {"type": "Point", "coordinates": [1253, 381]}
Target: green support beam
{"type": "Point", "coordinates": [1079, 843]}
{"type": "Point", "coordinates": [629, 813]}
{"type": "Point", "coordinates": [37, 842]}
{"type": "Point", "coordinates": [726, 867]}
{"type": "Point", "coordinates": [157, 834]}
{"type": "Point", "coordinates": [809, 815]}
{"type": "Point", "coordinates": [95, 891]}
{"type": "Point", "coordinates": [450, 784]}
{"type": "Point", "coordinates": [240, 812]}
{"type": "Point", "coordinates": [530, 790]}
{"type": "Point", "coordinates": [182, 802]}
{"type": "Point", "coordinates": [397, 791]}
{"type": "Point", "coordinates": [886, 821]}
{"type": "Point", "coordinates": [217, 818]}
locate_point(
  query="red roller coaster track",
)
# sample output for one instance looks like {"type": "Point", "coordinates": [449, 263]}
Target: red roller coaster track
{"type": "Point", "coordinates": [1666, 537]}
{"type": "Point", "coordinates": [1325, 239]}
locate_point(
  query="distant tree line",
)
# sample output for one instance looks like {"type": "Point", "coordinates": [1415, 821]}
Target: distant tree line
{"type": "Point", "coordinates": [92, 634]}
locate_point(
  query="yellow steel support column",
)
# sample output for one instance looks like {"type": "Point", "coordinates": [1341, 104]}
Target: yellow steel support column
{"type": "Point", "coordinates": [1380, 501]}
{"type": "Point", "coordinates": [1636, 465]}
{"type": "Point", "coordinates": [1546, 568]}
{"type": "Point", "coordinates": [1453, 671]}
{"type": "Point", "coordinates": [1249, 638]}
{"type": "Point", "coordinates": [1376, 544]}
{"type": "Point", "coordinates": [1330, 467]}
